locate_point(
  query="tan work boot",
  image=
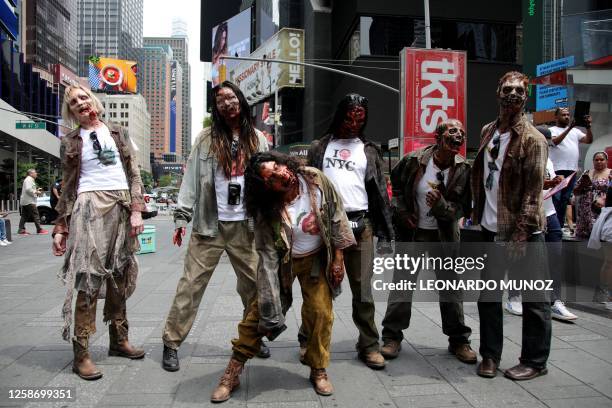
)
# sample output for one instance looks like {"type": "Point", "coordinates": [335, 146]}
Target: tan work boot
{"type": "Point", "coordinates": [464, 353]}
{"type": "Point", "coordinates": [373, 359]}
{"type": "Point", "coordinates": [322, 385]}
{"type": "Point", "coordinates": [391, 349]}
{"type": "Point", "coordinates": [83, 366]}
{"type": "Point", "coordinates": [119, 343]}
{"type": "Point", "coordinates": [228, 382]}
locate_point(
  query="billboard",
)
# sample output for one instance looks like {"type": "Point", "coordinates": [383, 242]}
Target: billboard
{"type": "Point", "coordinates": [552, 97]}
{"type": "Point", "coordinates": [114, 75]}
{"type": "Point", "coordinates": [433, 89]}
{"type": "Point", "coordinates": [231, 37]}
{"type": "Point", "coordinates": [258, 79]}
{"type": "Point", "coordinates": [173, 73]}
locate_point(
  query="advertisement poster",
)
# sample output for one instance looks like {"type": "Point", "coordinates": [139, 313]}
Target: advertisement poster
{"type": "Point", "coordinates": [433, 89]}
{"type": "Point", "coordinates": [173, 70]}
{"type": "Point", "coordinates": [258, 79]}
{"type": "Point", "coordinates": [231, 37]}
{"type": "Point", "coordinates": [110, 74]}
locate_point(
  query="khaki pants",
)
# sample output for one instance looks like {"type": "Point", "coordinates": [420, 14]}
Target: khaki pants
{"type": "Point", "coordinates": [202, 257]}
{"type": "Point", "coordinates": [317, 318]}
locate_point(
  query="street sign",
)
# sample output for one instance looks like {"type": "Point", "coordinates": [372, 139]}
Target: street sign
{"type": "Point", "coordinates": [394, 143]}
{"type": "Point", "coordinates": [30, 125]}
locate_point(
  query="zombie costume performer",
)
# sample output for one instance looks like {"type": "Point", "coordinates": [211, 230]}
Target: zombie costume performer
{"type": "Point", "coordinates": [507, 182]}
{"type": "Point", "coordinates": [431, 192]}
{"type": "Point", "coordinates": [99, 217]}
{"type": "Point", "coordinates": [354, 165]}
{"type": "Point", "coordinates": [212, 194]}
{"type": "Point", "coordinates": [301, 231]}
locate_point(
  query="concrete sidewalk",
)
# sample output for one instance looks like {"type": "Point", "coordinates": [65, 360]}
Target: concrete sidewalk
{"type": "Point", "coordinates": [32, 353]}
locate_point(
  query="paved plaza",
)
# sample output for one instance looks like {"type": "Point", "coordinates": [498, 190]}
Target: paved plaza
{"type": "Point", "coordinates": [32, 353]}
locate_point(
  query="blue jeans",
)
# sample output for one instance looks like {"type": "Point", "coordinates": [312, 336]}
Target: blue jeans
{"type": "Point", "coordinates": [562, 198]}
{"type": "Point", "coordinates": [2, 230]}
{"type": "Point", "coordinates": [554, 237]}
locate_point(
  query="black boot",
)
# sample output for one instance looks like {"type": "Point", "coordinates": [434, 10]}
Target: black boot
{"type": "Point", "coordinates": [170, 360]}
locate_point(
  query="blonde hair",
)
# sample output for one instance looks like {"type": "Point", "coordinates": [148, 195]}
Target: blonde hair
{"type": "Point", "coordinates": [67, 115]}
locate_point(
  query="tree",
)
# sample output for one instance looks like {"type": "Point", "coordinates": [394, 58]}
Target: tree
{"type": "Point", "coordinates": [43, 179]}
{"type": "Point", "coordinates": [207, 121]}
{"type": "Point", "coordinates": [165, 180]}
{"type": "Point", "coordinates": [147, 179]}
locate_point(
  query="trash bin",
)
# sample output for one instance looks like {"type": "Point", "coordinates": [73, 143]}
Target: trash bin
{"type": "Point", "coordinates": [147, 240]}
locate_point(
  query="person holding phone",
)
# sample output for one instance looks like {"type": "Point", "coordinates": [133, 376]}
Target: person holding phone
{"type": "Point", "coordinates": [212, 195]}
{"type": "Point", "coordinates": [565, 154]}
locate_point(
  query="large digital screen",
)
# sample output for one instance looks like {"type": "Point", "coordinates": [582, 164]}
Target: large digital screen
{"type": "Point", "coordinates": [110, 74]}
{"type": "Point", "coordinates": [231, 37]}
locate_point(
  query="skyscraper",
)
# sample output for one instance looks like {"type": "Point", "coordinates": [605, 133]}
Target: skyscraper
{"type": "Point", "coordinates": [109, 28]}
{"type": "Point", "coordinates": [179, 45]}
{"type": "Point", "coordinates": [51, 33]}
{"type": "Point", "coordinates": [156, 68]}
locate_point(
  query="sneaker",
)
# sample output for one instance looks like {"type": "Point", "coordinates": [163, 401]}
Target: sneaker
{"type": "Point", "coordinates": [23, 232]}
{"type": "Point", "coordinates": [608, 305]}
{"type": "Point", "coordinates": [7, 242]}
{"type": "Point", "coordinates": [2, 243]}
{"type": "Point", "coordinates": [43, 232]}
{"type": "Point", "coordinates": [514, 306]}
{"type": "Point", "coordinates": [560, 312]}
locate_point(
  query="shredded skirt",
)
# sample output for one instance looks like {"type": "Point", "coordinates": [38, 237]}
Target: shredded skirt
{"type": "Point", "coordinates": [99, 248]}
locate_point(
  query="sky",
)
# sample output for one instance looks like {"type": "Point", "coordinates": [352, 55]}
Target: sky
{"type": "Point", "coordinates": [158, 18]}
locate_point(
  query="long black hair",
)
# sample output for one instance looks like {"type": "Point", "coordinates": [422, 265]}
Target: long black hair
{"type": "Point", "coordinates": [222, 134]}
{"type": "Point", "coordinates": [259, 199]}
{"type": "Point", "coordinates": [217, 48]}
{"type": "Point", "coordinates": [346, 104]}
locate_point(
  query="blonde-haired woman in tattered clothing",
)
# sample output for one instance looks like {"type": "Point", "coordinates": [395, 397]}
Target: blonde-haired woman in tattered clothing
{"type": "Point", "coordinates": [99, 218]}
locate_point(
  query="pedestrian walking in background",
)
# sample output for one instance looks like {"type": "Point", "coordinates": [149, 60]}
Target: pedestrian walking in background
{"type": "Point", "coordinates": [29, 211]}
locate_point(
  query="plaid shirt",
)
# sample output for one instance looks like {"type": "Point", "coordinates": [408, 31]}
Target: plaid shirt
{"type": "Point", "coordinates": [521, 181]}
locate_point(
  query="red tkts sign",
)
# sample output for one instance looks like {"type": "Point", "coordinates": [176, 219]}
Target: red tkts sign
{"type": "Point", "coordinates": [433, 89]}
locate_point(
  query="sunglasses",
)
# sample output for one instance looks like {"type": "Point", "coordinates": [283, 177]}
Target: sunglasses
{"type": "Point", "coordinates": [93, 136]}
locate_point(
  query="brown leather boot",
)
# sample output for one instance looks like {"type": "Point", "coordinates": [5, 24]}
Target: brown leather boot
{"type": "Point", "coordinates": [228, 382]}
{"type": "Point", "coordinates": [119, 344]}
{"type": "Point", "coordinates": [320, 381]}
{"type": "Point", "coordinates": [391, 349]}
{"type": "Point", "coordinates": [83, 366]}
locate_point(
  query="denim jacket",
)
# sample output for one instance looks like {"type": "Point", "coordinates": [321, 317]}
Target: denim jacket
{"type": "Point", "coordinates": [197, 198]}
{"type": "Point", "coordinates": [454, 203]}
{"type": "Point", "coordinates": [274, 275]}
{"type": "Point", "coordinates": [376, 186]}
